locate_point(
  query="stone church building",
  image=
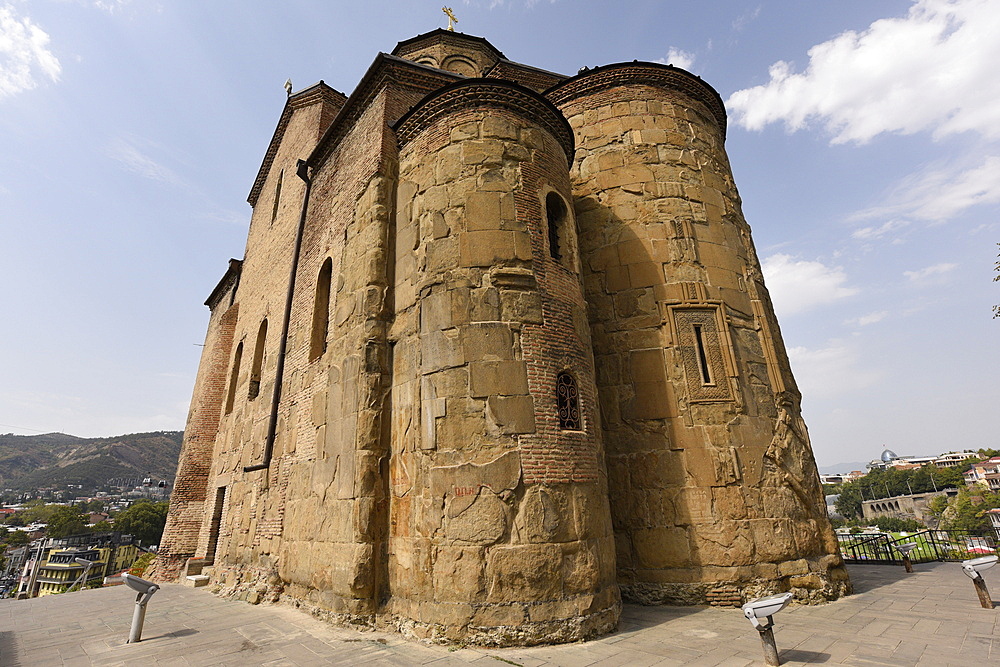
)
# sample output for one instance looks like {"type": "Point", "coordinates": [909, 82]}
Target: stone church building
{"type": "Point", "coordinates": [499, 354]}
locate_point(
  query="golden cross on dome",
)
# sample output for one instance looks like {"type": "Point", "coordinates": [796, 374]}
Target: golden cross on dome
{"type": "Point", "coordinates": [451, 18]}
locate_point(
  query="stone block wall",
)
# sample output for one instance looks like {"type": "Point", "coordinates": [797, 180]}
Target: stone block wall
{"type": "Point", "coordinates": [317, 533]}
{"type": "Point", "coordinates": [711, 476]}
{"type": "Point", "coordinates": [499, 525]}
{"type": "Point", "coordinates": [182, 531]}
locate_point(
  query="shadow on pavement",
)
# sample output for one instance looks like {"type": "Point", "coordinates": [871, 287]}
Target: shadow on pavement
{"type": "Point", "coordinates": [867, 578]}
{"type": "Point", "coordinates": [8, 650]}
{"type": "Point", "coordinates": [186, 632]}
{"type": "Point", "coordinates": [640, 617]}
{"type": "Point", "coordinates": [795, 655]}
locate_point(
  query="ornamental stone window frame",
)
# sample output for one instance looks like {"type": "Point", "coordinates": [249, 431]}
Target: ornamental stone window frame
{"type": "Point", "coordinates": [707, 359]}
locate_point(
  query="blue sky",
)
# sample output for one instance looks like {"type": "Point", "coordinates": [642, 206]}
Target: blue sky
{"type": "Point", "coordinates": [864, 137]}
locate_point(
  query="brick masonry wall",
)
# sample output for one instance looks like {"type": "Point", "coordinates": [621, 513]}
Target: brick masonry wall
{"type": "Point", "coordinates": [188, 499]}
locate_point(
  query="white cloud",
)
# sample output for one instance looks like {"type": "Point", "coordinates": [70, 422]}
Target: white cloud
{"type": "Point", "coordinates": [678, 58]}
{"type": "Point", "coordinates": [937, 194]}
{"type": "Point", "coordinates": [746, 18]}
{"type": "Point", "coordinates": [935, 271]}
{"type": "Point", "coordinates": [225, 216]}
{"type": "Point", "coordinates": [870, 318]}
{"type": "Point", "coordinates": [872, 233]}
{"type": "Point", "coordinates": [24, 54]}
{"type": "Point", "coordinates": [798, 285]}
{"type": "Point", "coordinates": [110, 6]}
{"type": "Point", "coordinates": [138, 163]}
{"type": "Point", "coordinates": [934, 69]}
{"type": "Point", "coordinates": [829, 371]}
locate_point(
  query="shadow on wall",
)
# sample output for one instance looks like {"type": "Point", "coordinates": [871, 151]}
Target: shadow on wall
{"type": "Point", "coordinates": [694, 480]}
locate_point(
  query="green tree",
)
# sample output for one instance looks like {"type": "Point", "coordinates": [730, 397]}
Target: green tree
{"type": "Point", "coordinates": [40, 511]}
{"type": "Point", "coordinates": [897, 482]}
{"type": "Point", "coordinates": [848, 505]}
{"type": "Point", "coordinates": [66, 521]}
{"type": "Point", "coordinates": [946, 477]}
{"type": "Point", "coordinates": [937, 506]}
{"type": "Point", "coordinates": [95, 505]}
{"type": "Point", "coordinates": [964, 514]}
{"type": "Point", "coordinates": [143, 520]}
{"type": "Point", "coordinates": [18, 538]}
{"type": "Point", "coordinates": [891, 524]}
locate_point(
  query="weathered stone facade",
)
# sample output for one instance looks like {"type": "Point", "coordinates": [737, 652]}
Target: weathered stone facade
{"type": "Point", "coordinates": [498, 354]}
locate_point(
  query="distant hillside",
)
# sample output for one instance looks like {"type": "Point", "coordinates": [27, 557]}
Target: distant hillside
{"type": "Point", "coordinates": [56, 459]}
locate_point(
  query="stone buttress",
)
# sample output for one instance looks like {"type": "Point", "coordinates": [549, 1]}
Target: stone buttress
{"type": "Point", "coordinates": [712, 480]}
{"type": "Point", "coordinates": [500, 529]}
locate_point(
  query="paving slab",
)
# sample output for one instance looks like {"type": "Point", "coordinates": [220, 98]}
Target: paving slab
{"type": "Point", "coordinates": [930, 617]}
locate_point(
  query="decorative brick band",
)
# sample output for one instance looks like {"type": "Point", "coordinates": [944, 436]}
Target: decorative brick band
{"type": "Point", "coordinates": [486, 93]}
{"type": "Point", "coordinates": [652, 74]}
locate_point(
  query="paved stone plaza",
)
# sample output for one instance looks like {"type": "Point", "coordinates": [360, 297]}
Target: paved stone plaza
{"type": "Point", "coordinates": [931, 617]}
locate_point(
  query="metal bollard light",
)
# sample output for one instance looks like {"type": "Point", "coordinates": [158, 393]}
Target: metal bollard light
{"type": "Point", "coordinates": [144, 590]}
{"type": "Point", "coordinates": [972, 569]}
{"type": "Point", "coordinates": [765, 608]}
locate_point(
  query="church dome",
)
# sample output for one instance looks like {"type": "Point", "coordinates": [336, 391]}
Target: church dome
{"type": "Point", "coordinates": [888, 455]}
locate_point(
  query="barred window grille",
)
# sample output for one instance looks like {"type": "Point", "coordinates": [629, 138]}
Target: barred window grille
{"type": "Point", "coordinates": [568, 402]}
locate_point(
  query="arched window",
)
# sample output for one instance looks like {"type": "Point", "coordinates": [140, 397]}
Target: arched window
{"type": "Point", "coordinates": [568, 403]}
{"type": "Point", "coordinates": [258, 361]}
{"type": "Point", "coordinates": [555, 212]}
{"type": "Point", "coordinates": [234, 376]}
{"type": "Point", "coordinates": [321, 312]}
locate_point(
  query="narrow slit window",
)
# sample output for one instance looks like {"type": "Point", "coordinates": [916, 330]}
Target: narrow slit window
{"type": "Point", "coordinates": [277, 195]}
{"type": "Point", "coordinates": [234, 377]}
{"type": "Point", "coordinates": [555, 212]}
{"type": "Point", "coordinates": [258, 361]}
{"type": "Point", "coordinates": [706, 374]}
{"type": "Point", "coordinates": [321, 312]}
{"type": "Point", "coordinates": [568, 402]}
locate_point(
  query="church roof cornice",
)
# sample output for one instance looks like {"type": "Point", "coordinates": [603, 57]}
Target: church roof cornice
{"type": "Point", "coordinates": [503, 62]}
{"type": "Point", "coordinates": [314, 94]}
{"type": "Point", "coordinates": [486, 93]}
{"type": "Point", "coordinates": [442, 36]}
{"type": "Point", "coordinates": [230, 278]}
{"type": "Point", "coordinates": [385, 69]}
{"type": "Point", "coordinates": [653, 74]}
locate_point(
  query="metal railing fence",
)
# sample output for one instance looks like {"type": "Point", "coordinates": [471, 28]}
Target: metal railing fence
{"type": "Point", "coordinates": [932, 545]}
